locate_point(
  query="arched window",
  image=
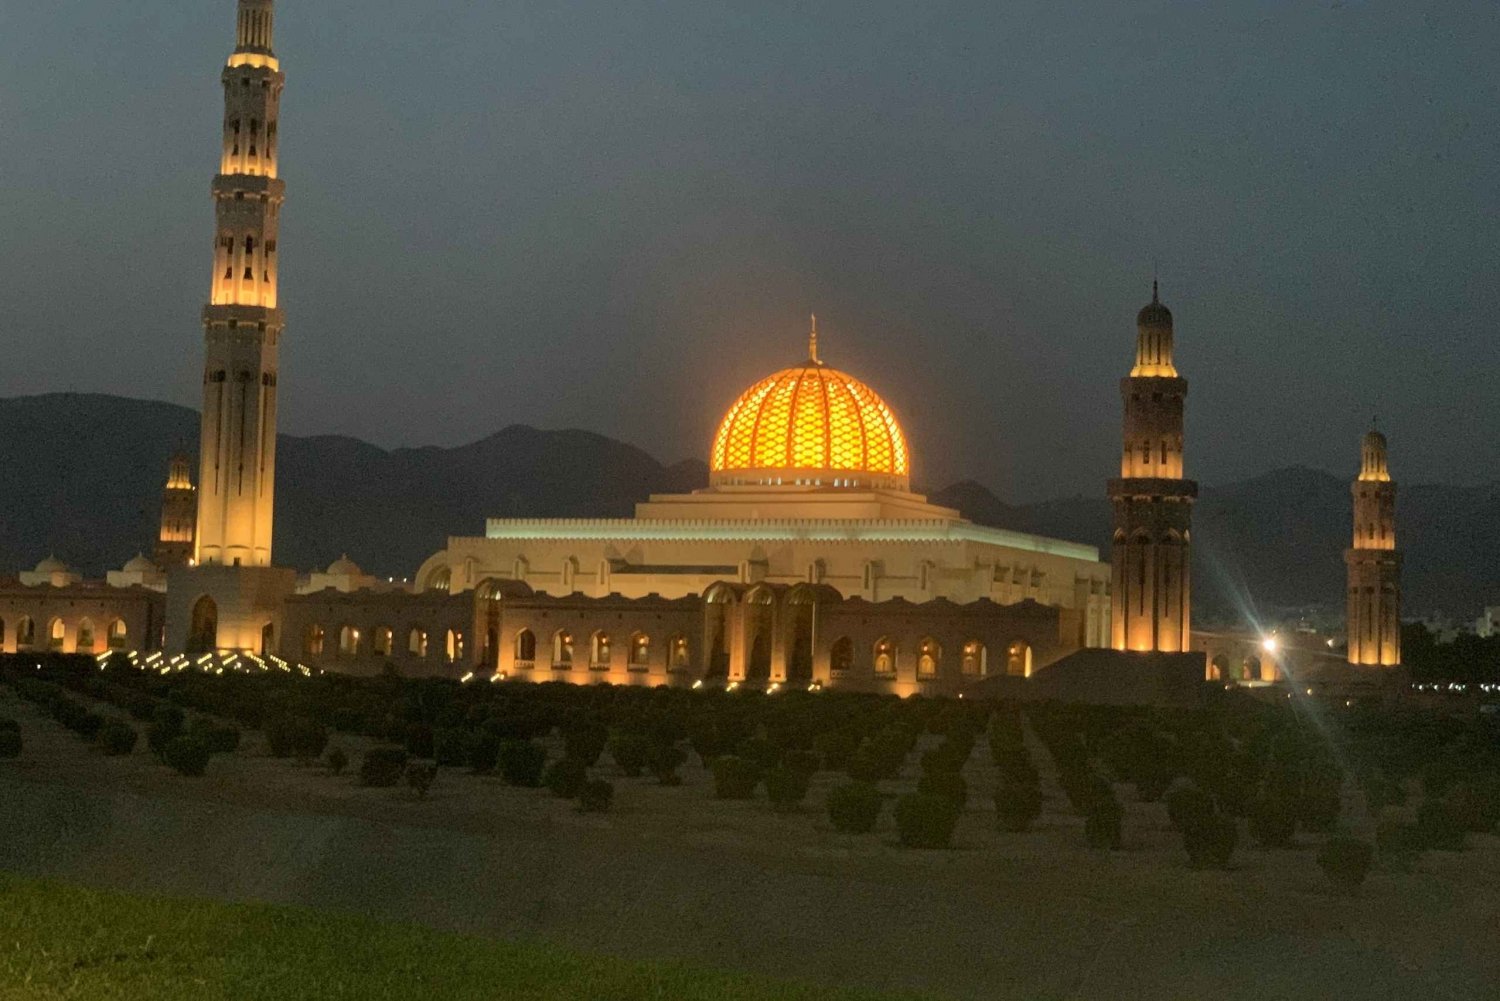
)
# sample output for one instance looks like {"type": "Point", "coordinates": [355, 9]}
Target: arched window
{"type": "Point", "coordinates": [885, 655]}
{"type": "Point", "coordinates": [381, 643]}
{"type": "Point", "coordinates": [348, 642]}
{"type": "Point", "coordinates": [1018, 659]}
{"type": "Point", "coordinates": [974, 659]}
{"type": "Point", "coordinates": [678, 653]}
{"type": "Point", "coordinates": [640, 650]}
{"type": "Point", "coordinates": [56, 633]}
{"type": "Point", "coordinates": [203, 636]}
{"type": "Point", "coordinates": [569, 575]}
{"type": "Point", "coordinates": [440, 579]}
{"type": "Point", "coordinates": [453, 646]}
{"type": "Point", "coordinates": [929, 655]}
{"type": "Point", "coordinates": [599, 650]}
{"type": "Point", "coordinates": [119, 635]}
{"type": "Point", "coordinates": [526, 646]}
{"type": "Point", "coordinates": [85, 641]}
{"type": "Point", "coordinates": [416, 642]}
{"type": "Point", "coordinates": [562, 648]}
{"type": "Point", "coordinates": [312, 643]}
{"type": "Point", "coordinates": [25, 632]}
{"type": "Point", "coordinates": [841, 657]}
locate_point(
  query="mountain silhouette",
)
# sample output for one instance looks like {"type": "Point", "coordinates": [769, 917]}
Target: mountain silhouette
{"type": "Point", "coordinates": [83, 476]}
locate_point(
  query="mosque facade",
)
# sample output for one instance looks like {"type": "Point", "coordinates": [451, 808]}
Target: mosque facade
{"type": "Point", "coordinates": [807, 560]}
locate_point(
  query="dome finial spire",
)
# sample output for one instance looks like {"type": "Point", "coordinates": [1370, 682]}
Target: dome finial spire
{"type": "Point", "coordinates": [812, 342]}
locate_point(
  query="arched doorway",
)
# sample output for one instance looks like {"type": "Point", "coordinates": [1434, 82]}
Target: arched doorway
{"type": "Point", "coordinates": [974, 660]}
{"type": "Point", "coordinates": [759, 668]}
{"type": "Point", "coordinates": [203, 633]}
{"type": "Point", "coordinates": [799, 661]}
{"type": "Point", "coordinates": [1018, 659]}
{"type": "Point", "coordinates": [716, 602]}
{"type": "Point", "coordinates": [759, 612]}
{"type": "Point", "coordinates": [1218, 668]}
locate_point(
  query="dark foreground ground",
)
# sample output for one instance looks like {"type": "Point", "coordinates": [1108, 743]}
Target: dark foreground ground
{"type": "Point", "coordinates": [81, 944]}
{"type": "Point", "coordinates": [672, 874]}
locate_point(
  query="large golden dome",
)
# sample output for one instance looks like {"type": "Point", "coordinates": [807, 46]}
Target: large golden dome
{"type": "Point", "coordinates": [812, 426]}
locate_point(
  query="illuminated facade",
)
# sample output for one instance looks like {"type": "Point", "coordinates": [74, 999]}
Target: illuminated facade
{"type": "Point", "coordinates": [809, 484]}
{"type": "Point", "coordinates": [1150, 553]}
{"type": "Point", "coordinates": [1374, 564]}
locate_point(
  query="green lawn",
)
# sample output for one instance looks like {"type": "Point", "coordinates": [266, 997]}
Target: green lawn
{"type": "Point", "coordinates": [62, 941]}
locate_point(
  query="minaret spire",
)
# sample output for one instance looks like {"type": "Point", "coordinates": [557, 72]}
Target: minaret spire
{"type": "Point", "coordinates": [1374, 563]}
{"type": "Point", "coordinates": [1151, 553]}
{"type": "Point", "coordinates": [812, 342]}
{"type": "Point", "coordinates": [242, 322]}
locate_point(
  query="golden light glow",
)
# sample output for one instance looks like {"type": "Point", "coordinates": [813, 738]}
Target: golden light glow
{"type": "Point", "coordinates": [257, 59]}
{"type": "Point", "coordinates": [811, 419]}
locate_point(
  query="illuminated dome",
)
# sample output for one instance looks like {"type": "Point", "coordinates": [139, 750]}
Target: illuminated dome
{"type": "Point", "coordinates": [810, 426]}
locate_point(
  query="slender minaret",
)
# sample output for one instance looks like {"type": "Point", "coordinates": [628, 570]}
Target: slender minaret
{"type": "Point", "coordinates": [1374, 617]}
{"type": "Point", "coordinates": [179, 515]}
{"type": "Point", "coordinates": [1150, 557]}
{"type": "Point", "coordinates": [242, 323]}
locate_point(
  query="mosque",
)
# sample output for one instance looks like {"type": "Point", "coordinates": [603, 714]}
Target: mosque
{"type": "Point", "coordinates": [807, 560]}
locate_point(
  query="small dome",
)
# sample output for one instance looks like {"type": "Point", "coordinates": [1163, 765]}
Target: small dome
{"type": "Point", "coordinates": [345, 567]}
{"type": "Point", "coordinates": [140, 565]}
{"type": "Point", "coordinates": [52, 565]}
{"type": "Point", "coordinates": [812, 423]}
{"type": "Point", "coordinates": [1154, 314]}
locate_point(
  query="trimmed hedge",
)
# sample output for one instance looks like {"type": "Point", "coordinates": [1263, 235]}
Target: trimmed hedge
{"type": "Point", "coordinates": [187, 756]}
{"type": "Point", "coordinates": [786, 788]}
{"type": "Point", "coordinates": [854, 807]}
{"type": "Point", "coordinates": [117, 738]}
{"type": "Point", "coordinates": [925, 821]}
{"type": "Point", "coordinates": [734, 777]}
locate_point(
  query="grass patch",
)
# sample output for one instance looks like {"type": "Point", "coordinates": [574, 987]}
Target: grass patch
{"type": "Point", "coordinates": [63, 941]}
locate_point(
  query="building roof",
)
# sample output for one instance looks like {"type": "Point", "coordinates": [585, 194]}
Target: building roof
{"type": "Point", "coordinates": [780, 530]}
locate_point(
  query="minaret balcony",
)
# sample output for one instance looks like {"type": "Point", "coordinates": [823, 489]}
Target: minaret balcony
{"type": "Point", "coordinates": [1151, 486]}
{"type": "Point", "coordinates": [253, 186]}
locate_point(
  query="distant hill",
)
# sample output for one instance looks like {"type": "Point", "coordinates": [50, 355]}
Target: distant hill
{"type": "Point", "coordinates": [84, 473]}
{"type": "Point", "coordinates": [1276, 542]}
{"type": "Point", "coordinates": [82, 477]}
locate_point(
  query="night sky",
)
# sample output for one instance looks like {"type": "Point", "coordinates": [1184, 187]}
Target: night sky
{"type": "Point", "coordinates": [617, 215]}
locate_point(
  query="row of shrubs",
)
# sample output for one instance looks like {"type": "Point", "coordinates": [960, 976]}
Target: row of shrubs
{"type": "Point", "coordinates": [185, 748]}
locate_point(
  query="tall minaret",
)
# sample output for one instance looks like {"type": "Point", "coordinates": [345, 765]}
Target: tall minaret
{"type": "Point", "coordinates": [1150, 557]}
{"type": "Point", "coordinates": [1374, 618]}
{"type": "Point", "coordinates": [179, 511]}
{"type": "Point", "coordinates": [242, 323]}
